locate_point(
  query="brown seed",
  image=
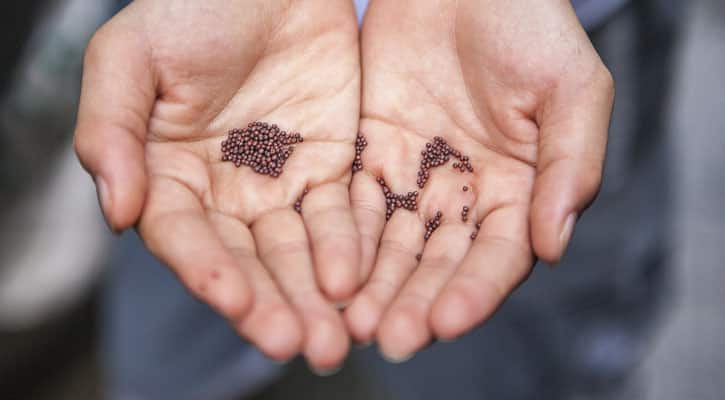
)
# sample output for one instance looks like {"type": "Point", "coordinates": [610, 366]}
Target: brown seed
{"type": "Point", "coordinates": [436, 154]}
{"type": "Point", "coordinates": [464, 214]}
{"type": "Point", "coordinates": [260, 146]}
{"type": "Point", "coordinates": [465, 188]}
{"type": "Point", "coordinates": [475, 232]}
{"type": "Point", "coordinates": [432, 224]}
{"type": "Point", "coordinates": [418, 256]}
{"type": "Point", "coordinates": [393, 201]}
{"type": "Point", "coordinates": [298, 203]}
{"type": "Point", "coordinates": [360, 144]}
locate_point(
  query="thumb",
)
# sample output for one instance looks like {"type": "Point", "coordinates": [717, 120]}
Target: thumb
{"type": "Point", "coordinates": [117, 96]}
{"type": "Point", "coordinates": [574, 124]}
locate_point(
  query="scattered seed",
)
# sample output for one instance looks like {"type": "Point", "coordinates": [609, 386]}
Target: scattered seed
{"type": "Point", "coordinates": [464, 214]}
{"type": "Point", "coordinates": [298, 203]}
{"type": "Point", "coordinates": [262, 147]}
{"type": "Point", "coordinates": [393, 201]}
{"type": "Point", "coordinates": [432, 224]}
{"type": "Point", "coordinates": [438, 153]}
{"type": "Point", "coordinates": [474, 235]}
{"type": "Point", "coordinates": [465, 188]}
{"type": "Point", "coordinates": [418, 256]}
{"type": "Point", "coordinates": [360, 144]}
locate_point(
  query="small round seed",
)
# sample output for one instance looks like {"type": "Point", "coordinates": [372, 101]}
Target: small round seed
{"type": "Point", "coordinates": [437, 153]}
{"type": "Point", "coordinates": [360, 144]}
{"type": "Point", "coordinates": [260, 146]}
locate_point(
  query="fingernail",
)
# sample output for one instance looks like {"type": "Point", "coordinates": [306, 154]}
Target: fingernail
{"type": "Point", "coordinates": [566, 232]}
{"type": "Point", "coordinates": [104, 198]}
{"type": "Point", "coordinates": [396, 359]}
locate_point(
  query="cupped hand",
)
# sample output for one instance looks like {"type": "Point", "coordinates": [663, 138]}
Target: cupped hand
{"type": "Point", "coordinates": [518, 88]}
{"type": "Point", "coordinates": [164, 81]}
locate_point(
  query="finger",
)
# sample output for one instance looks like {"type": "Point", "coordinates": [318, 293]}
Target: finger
{"type": "Point", "coordinates": [117, 97]}
{"type": "Point", "coordinates": [499, 259]}
{"type": "Point", "coordinates": [573, 142]}
{"type": "Point", "coordinates": [284, 249]}
{"type": "Point", "coordinates": [271, 325]}
{"type": "Point", "coordinates": [175, 228]}
{"type": "Point", "coordinates": [404, 328]}
{"type": "Point", "coordinates": [334, 238]}
{"type": "Point", "coordinates": [368, 207]}
{"type": "Point", "coordinates": [396, 260]}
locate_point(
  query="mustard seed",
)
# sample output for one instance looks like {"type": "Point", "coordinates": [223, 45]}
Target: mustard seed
{"type": "Point", "coordinates": [438, 153]}
{"type": "Point", "coordinates": [464, 214]}
{"type": "Point", "coordinates": [432, 224]}
{"type": "Point", "coordinates": [298, 203]}
{"type": "Point", "coordinates": [360, 144]}
{"type": "Point", "coordinates": [393, 201]}
{"type": "Point", "coordinates": [474, 235]}
{"type": "Point", "coordinates": [262, 147]}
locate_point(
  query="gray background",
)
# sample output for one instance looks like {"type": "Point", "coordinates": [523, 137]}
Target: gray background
{"type": "Point", "coordinates": [688, 361]}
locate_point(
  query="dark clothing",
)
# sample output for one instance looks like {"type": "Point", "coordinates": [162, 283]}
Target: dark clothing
{"type": "Point", "coordinates": [17, 22]}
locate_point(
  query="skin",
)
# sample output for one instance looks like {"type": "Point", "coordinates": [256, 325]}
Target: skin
{"type": "Point", "coordinates": [517, 86]}
{"type": "Point", "coordinates": [163, 83]}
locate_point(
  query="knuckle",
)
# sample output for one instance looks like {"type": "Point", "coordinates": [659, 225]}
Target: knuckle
{"type": "Point", "coordinates": [590, 180]}
{"type": "Point", "coordinates": [242, 252]}
{"type": "Point", "coordinates": [438, 264]}
{"type": "Point", "coordinates": [469, 283]}
{"type": "Point", "coordinates": [86, 152]}
{"type": "Point", "coordinates": [81, 145]}
{"type": "Point", "coordinates": [606, 75]}
{"type": "Point", "coordinates": [95, 47]}
{"type": "Point", "coordinates": [334, 213]}
{"type": "Point", "coordinates": [440, 259]}
{"type": "Point", "coordinates": [605, 79]}
{"type": "Point", "coordinates": [378, 286]}
{"type": "Point", "coordinates": [345, 244]}
{"type": "Point", "coordinates": [284, 248]}
{"type": "Point", "coordinates": [397, 248]}
{"type": "Point", "coordinates": [369, 240]}
{"type": "Point", "coordinates": [416, 295]}
{"type": "Point", "coordinates": [368, 209]}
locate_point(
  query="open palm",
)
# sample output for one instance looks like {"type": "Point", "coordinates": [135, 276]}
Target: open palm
{"type": "Point", "coordinates": [517, 87]}
{"type": "Point", "coordinates": [163, 84]}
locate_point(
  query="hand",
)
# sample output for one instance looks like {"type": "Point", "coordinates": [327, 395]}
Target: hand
{"type": "Point", "coordinates": [517, 87]}
{"type": "Point", "coordinates": [164, 82]}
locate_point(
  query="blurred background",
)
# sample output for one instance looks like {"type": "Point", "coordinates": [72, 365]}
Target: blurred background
{"type": "Point", "coordinates": [54, 247]}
